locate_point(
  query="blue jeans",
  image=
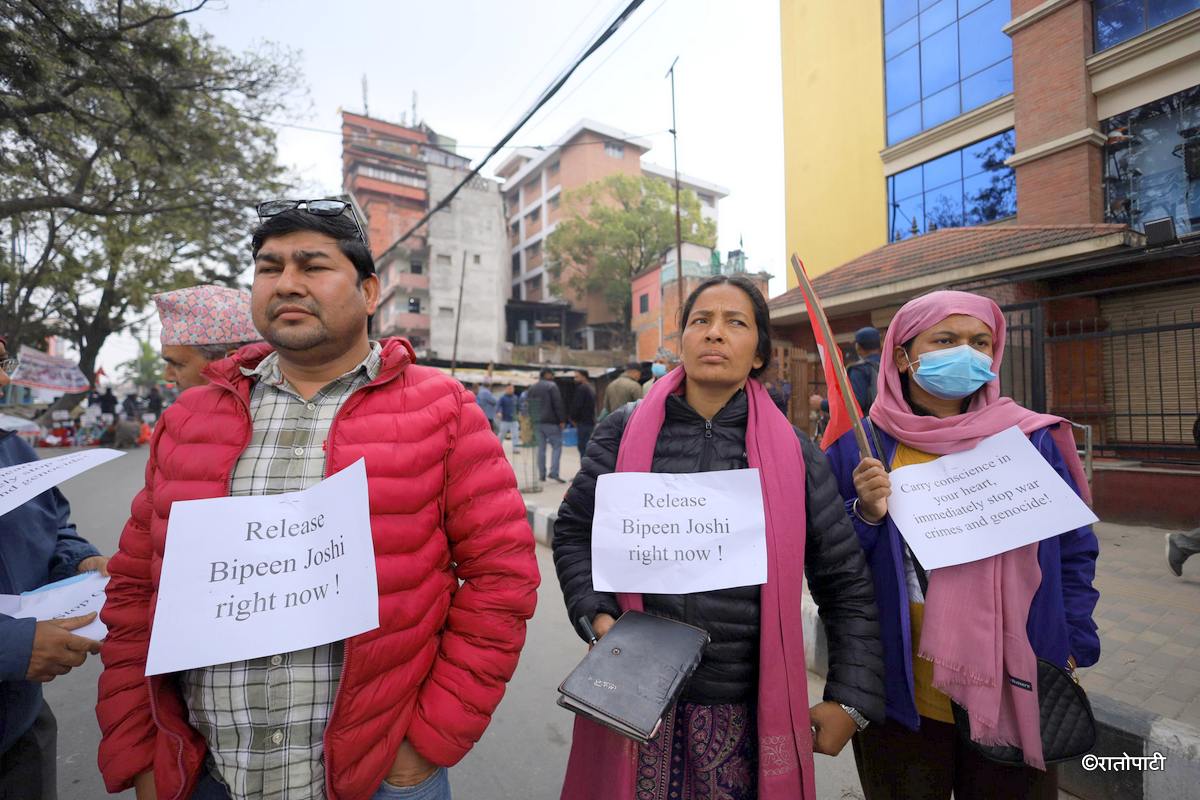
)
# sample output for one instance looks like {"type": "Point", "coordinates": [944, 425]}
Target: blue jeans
{"type": "Point", "coordinates": [552, 433]}
{"type": "Point", "coordinates": [511, 427]}
{"type": "Point", "coordinates": [435, 787]}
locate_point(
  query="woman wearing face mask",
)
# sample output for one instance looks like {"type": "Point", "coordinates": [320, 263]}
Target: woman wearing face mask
{"type": "Point", "coordinates": [940, 394]}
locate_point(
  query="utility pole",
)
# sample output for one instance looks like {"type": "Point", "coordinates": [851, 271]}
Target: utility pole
{"type": "Point", "coordinates": [678, 222]}
{"type": "Point", "coordinates": [462, 280]}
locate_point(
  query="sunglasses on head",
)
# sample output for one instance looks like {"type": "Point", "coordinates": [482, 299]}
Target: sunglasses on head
{"type": "Point", "coordinates": [321, 208]}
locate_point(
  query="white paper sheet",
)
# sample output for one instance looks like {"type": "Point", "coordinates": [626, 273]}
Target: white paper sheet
{"type": "Point", "coordinates": [245, 577]}
{"type": "Point", "coordinates": [23, 482]}
{"type": "Point", "coordinates": [72, 597]}
{"type": "Point", "coordinates": [676, 534]}
{"type": "Point", "coordinates": [996, 497]}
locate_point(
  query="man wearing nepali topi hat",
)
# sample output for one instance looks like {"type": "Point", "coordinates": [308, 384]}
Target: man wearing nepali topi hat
{"type": "Point", "coordinates": [200, 325]}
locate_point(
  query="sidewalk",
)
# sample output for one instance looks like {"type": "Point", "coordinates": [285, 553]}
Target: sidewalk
{"type": "Point", "coordinates": [1145, 690]}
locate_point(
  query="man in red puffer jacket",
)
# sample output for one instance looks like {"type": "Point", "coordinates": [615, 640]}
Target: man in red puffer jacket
{"type": "Point", "coordinates": [381, 714]}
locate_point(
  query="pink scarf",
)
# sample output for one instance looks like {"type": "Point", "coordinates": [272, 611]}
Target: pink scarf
{"type": "Point", "coordinates": [602, 765]}
{"type": "Point", "coordinates": [976, 613]}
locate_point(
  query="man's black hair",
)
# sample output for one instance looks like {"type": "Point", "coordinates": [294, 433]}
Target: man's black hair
{"type": "Point", "coordinates": [762, 316]}
{"type": "Point", "coordinates": [583, 372]}
{"type": "Point", "coordinates": [341, 228]}
{"type": "Point", "coordinates": [546, 373]}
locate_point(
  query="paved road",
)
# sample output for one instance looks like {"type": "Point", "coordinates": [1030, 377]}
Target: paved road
{"type": "Point", "coordinates": [522, 756]}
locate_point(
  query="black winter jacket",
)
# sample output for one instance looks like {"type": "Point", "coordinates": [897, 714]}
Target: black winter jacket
{"type": "Point", "coordinates": [837, 572]}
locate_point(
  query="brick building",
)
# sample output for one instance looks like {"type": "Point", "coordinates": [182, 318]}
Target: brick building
{"type": "Point", "coordinates": [535, 181]}
{"type": "Point", "coordinates": [384, 168]}
{"type": "Point", "coordinates": [655, 320]}
{"type": "Point", "coordinates": [1046, 154]}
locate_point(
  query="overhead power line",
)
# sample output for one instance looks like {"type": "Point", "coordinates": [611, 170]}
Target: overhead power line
{"type": "Point", "coordinates": [542, 99]}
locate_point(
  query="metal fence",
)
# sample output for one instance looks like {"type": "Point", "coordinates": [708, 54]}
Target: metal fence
{"type": "Point", "coordinates": [1134, 377]}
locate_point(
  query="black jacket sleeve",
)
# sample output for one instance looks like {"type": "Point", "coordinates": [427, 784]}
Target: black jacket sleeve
{"type": "Point", "coordinates": [572, 542]}
{"type": "Point", "coordinates": [841, 585]}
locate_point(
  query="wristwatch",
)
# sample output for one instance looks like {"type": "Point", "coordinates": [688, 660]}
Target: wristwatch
{"type": "Point", "coordinates": [860, 721]}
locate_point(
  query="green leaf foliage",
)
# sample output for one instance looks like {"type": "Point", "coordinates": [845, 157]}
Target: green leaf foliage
{"type": "Point", "coordinates": [132, 152]}
{"type": "Point", "coordinates": [613, 229]}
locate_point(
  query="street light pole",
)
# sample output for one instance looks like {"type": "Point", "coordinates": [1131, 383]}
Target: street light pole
{"type": "Point", "coordinates": [678, 222]}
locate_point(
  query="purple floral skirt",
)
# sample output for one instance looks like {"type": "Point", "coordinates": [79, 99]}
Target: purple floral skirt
{"type": "Point", "coordinates": [703, 753]}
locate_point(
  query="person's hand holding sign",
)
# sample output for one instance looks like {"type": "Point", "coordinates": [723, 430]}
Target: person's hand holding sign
{"type": "Point", "coordinates": [95, 564]}
{"type": "Point", "coordinates": [56, 651]}
{"type": "Point", "coordinates": [873, 485]}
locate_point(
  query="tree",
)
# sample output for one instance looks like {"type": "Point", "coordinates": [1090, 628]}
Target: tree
{"type": "Point", "coordinates": [145, 369]}
{"type": "Point", "coordinates": [614, 228]}
{"type": "Point", "coordinates": [131, 150]}
{"type": "Point", "coordinates": [102, 101]}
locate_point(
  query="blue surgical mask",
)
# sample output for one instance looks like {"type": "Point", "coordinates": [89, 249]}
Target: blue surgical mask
{"type": "Point", "coordinates": [658, 370]}
{"type": "Point", "coordinates": [953, 373]}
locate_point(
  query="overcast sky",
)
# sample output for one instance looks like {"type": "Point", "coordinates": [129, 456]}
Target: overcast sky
{"type": "Point", "coordinates": [476, 65]}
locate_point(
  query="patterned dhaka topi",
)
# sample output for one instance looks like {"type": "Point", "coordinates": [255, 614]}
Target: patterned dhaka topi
{"type": "Point", "coordinates": [206, 315]}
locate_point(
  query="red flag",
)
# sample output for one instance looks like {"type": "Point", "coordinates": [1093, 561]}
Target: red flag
{"type": "Point", "coordinates": [839, 416]}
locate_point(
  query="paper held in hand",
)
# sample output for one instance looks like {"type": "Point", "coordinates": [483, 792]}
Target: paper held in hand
{"type": "Point", "coordinates": [996, 497]}
{"type": "Point", "coordinates": [244, 577]}
{"type": "Point", "coordinates": [23, 482]}
{"type": "Point", "coordinates": [71, 597]}
{"type": "Point", "coordinates": [674, 534]}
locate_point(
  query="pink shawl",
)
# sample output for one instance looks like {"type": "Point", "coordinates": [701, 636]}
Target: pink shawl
{"type": "Point", "coordinates": [602, 765]}
{"type": "Point", "coordinates": [976, 613]}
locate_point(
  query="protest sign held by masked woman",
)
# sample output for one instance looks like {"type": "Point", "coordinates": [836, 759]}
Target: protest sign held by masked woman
{"type": "Point", "coordinates": [972, 513]}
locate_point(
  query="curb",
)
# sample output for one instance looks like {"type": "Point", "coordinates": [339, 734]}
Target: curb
{"type": "Point", "coordinates": [542, 523]}
{"type": "Point", "coordinates": [1121, 729]}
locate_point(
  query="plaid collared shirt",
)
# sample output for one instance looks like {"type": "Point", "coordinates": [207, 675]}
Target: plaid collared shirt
{"type": "Point", "coordinates": [264, 719]}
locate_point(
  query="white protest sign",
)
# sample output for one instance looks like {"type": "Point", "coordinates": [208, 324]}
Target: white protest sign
{"type": "Point", "coordinates": [23, 482]}
{"type": "Point", "coordinates": [72, 597]}
{"type": "Point", "coordinates": [996, 497]}
{"type": "Point", "coordinates": [675, 534]}
{"type": "Point", "coordinates": [244, 577]}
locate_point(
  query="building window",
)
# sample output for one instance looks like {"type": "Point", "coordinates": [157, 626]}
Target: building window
{"type": "Point", "coordinates": [970, 186]}
{"type": "Point", "coordinates": [614, 149]}
{"type": "Point", "coordinates": [416, 267]}
{"type": "Point", "coordinates": [1117, 21]}
{"type": "Point", "coordinates": [1152, 163]}
{"type": "Point", "coordinates": [475, 258]}
{"type": "Point", "coordinates": [532, 217]}
{"type": "Point", "coordinates": [443, 260]}
{"type": "Point", "coordinates": [414, 305]}
{"type": "Point", "coordinates": [392, 176]}
{"type": "Point", "coordinates": [516, 264]}
{"type": "Point", "coordinates": [553, 168]}
{"type": "Point", "coordinates": [553, 202]}
{"type": "Point", "coordinates": [942, 60]}
{"type": "Point", "coordinates": [707, 199]}
{"type": "Point", "coordinates": [644, 304]}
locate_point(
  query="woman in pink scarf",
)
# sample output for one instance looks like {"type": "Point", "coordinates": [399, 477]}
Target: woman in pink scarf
{"type": "Point", "coordinates": [741, 728]}
{"type": "Point", "coordinates": [960, 633]}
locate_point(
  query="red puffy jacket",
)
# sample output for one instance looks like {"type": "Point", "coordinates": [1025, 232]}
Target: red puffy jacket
{"type": "Point", "coordinates": [453, 554]}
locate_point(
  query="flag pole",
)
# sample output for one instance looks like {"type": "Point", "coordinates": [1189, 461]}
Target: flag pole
{"type": "Point", "coordinates": [839, 370]}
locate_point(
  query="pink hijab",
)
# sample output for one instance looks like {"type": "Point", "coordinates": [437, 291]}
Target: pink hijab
{"type": "Point", "coordinates": [602, 765]}
{"type": "Point", "coordinates": [976, 613]}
